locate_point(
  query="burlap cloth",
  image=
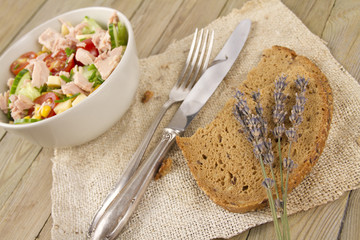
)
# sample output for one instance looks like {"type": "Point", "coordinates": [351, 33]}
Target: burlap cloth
{"type": "Point", "coordinates": [174, 207]}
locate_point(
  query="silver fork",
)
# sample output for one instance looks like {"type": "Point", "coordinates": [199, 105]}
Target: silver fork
{"type": "Point", "coordinates": [184, 84]}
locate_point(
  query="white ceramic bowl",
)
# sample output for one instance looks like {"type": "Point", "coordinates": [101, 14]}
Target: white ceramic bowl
{"type": "Point", "coordinates": [96, 114]}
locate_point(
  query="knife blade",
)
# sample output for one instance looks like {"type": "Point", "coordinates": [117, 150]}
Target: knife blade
{"type": "Point", "coordinates": [217, 71]}
{"type": "Point", "coordinates": [124, 204]}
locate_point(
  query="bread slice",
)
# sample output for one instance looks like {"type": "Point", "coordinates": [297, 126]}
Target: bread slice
{"type": "Point", "coordinates": [221, 159]}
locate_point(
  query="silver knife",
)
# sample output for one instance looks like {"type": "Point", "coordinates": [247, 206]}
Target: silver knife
{"type": "Point", "coordinates": [124, 204]}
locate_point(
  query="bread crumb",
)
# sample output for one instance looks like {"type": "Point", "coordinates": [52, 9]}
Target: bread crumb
{"type": "Point", "coordinates": [164, 168]}
{"type": "Point", "coordinates": [147, 95]}
{"type": "Point", "coordinates": [164, 66]}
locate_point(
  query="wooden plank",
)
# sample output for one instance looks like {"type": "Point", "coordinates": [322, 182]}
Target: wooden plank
{"type": "Point", "coordinates": [53, 8]}
{"type": "Point", "coordinates": [150, 21]}
{"type": "Point", "coordinates": [241, 236]}
{"type": "Point", "coordinates": [28, 208]}
{"type": "Point", "coordinates": [186, 19]}
{"type": "Point", "coordinates": [45, 233]}
{"type": "Point", "coordinates": [351, 230]}
{"type": "Point", "coordinates": [230, 5]}
{"type": "Point", "coordinates": [342, 32]}
{"type": "Point", "coordinates": [313, 13]}
{"type": "Point", "coordinates": [322, 222]}
{"type": "Point", "coordinates": [2, 133]}
{"type": "Point", "coordinates": [15, 14]}
{"type": "Point", "coordinates": [16, 156]}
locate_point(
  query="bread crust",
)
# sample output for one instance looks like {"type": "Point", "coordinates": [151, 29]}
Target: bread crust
{"type": "Point", "coordinates": [220, 158]}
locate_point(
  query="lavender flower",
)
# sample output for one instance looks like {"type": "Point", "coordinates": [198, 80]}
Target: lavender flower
{"type": "Point", "coordinates": [241, 110]}
{"type": "Point", "coordinates": [298, 108]}
{"type": "Point", "coordinates": [268, 144]}
{"type": "Point", "coordinates": [289, 164]}
{"type": "Point", "coordinates": [279, 131]}
{"type": "Point", "coordinates": [268, 183]}
{"type": "Point", "coordinates": [301, 83]}
{"type": "Point", "coordinates": [301, 99]}
{"type": "Point", "coordinates": [268, 158]}
{"type": "Point", "coordinates": [256, 96]}
{"type": "Point", "coordinates": [259, 147]}
{"type": "Point", "coordinates": [279, 116]}
{"type": "Point", "coordinates": [259, 111]}
{"type": "Point", "coordinates": [295, 118]}
{"type": "Point", "coordinates": [279, 96]}
{"type": "Point", "coordinates": [280, 83]}
{"type": "Point", "coordinates": [253, 125]}
{"type": "Point", "coordinates": [291, 134]}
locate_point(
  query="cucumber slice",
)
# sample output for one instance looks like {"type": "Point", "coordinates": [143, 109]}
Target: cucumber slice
{"type": "Point", "coordinates": [26, 120]}
{"type": "Point", "coordinates": [19, 80]}
{"type": "Point", "coordinates": [92, 25]}
{"type": "Point", "coordinates": [122, 34]}
{"type": "Point", "coordinates": [118, 35]}
{"type": "Point", "coordinates": [113, 35]}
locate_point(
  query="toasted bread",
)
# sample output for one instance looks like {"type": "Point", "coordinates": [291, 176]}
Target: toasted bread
{"type": "Point", "coordinates": [220, 157]}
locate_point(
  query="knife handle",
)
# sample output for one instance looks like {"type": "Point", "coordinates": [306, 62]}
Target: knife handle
{"type": "Point", "coordinates": [132, 165]}
{"type": "Point", "coordinates": [124, 204]}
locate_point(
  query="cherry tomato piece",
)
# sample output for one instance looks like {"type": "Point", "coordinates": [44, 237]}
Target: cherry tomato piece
{"type": "Point", "coordinates": [90, 47]}
{"type": "Point", "coordinates": [20, 63]}
{"type": "Point", "coordinates": [59, 62]}
{"type": "Point", "coordinates": [48, 97]}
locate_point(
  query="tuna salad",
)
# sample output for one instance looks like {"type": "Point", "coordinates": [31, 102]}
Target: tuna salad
{"type": "Point", "coordinates": [72, 63]}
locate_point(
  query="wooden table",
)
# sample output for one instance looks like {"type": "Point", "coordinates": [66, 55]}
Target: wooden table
{"type": "Point", "coordinates": [25, 172]}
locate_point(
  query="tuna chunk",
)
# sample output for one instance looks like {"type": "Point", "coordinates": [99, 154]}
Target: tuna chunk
{"type": "Point", "coordinates": [85, 57]}
{"type": "Point", "coordinates": [78, 28]}
{"type": "Point", "coordinates": [4, 99]}
{"type": "Point", "coordinates": [18, 106]}
{"type": "Point", "coordinates": [71, 88]}
{"type": "Point", "coordinates": [82, 81]}
{"type": "Point", "coordinates": [54, 41]}
{"type": "Point", "coordinates": [106, 62]}
{"type": "Point", "coordinates": [42, 56]}
{"type": "Point", "coordinates": [40, 74]}
{"type": "Point", "coordinates": [49, 38]}
{"type": "Point", "coordinates": [74, 30]}
{"type": "Point", "coordinates": [114, 18]}
{"type": "Point", "coordinates": [101, 40]}
{"type": "Point", "coordinates": [31, 62]}
{"type": "Point", "coordinates": [63, 43]}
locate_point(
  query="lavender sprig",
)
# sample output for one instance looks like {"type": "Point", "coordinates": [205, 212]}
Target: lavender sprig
{"type": "Point", "coordinates": [295, 118]}
{"type": "Point", "coordinates": [255, 128]}
{"type": "Point", "coordinates": [279, 116]}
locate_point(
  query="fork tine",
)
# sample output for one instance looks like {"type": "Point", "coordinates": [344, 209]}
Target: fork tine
{"type": "Point", "coordinates": [200, 61]}
{"type": "Point", "coordinates": [193, 62]}
{"type": "Point", "coordinates": [209, 49]}
{"type": "Point", "coordinates": [187, 63]}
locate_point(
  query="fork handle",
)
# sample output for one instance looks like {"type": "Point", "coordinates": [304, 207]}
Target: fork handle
{"type": "Point", "coordinates": [132, 165]}
{"type": "Point", "coordinates": [124, 204]}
